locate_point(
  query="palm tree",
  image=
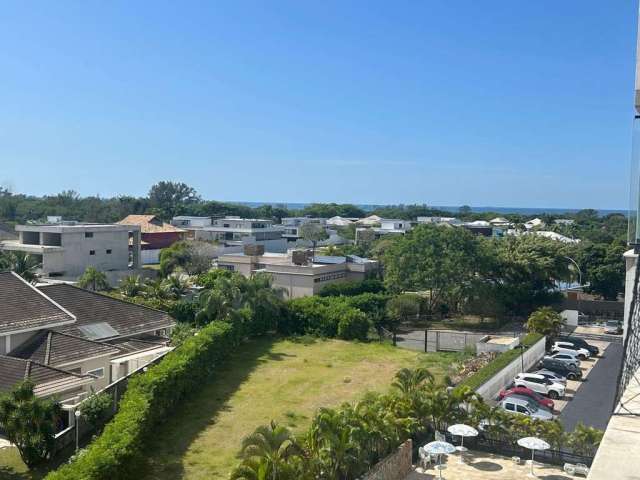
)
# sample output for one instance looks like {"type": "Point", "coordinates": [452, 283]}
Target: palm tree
{"type": "Point", "coordinates": [24, 264]}
{"type": "Point", "coordinates": [269, 453]}
{"type": "Point", "coordinates": [408, 381]}
{"type": "Point", "coordinates": [156, 289]}
{"type": "Point", "coordinates": [93, 279]}
{"type": "Point", "coordinates": [177, 285]}
{"type": "Point", "coordinates": [131, 286]}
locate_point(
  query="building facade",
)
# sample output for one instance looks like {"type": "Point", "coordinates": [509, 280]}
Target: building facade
{"type": "Point", "coordinates": [66, 249]}
{"type": "Point", "coordinates": [155, 235]}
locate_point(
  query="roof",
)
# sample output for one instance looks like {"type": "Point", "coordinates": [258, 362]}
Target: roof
{"type": "Point", "coordinates": [91, 308]}
{"type": "Point", "coordinates": [147, 342]}
{"type": "Point", "coordinates": [48, 380]}
{"type": "Point", "coordinates": [149, 224]}
{"type": "Point", "coordinates": [23, 307]}
{"type": "Point", "coordinates": [56, 349]}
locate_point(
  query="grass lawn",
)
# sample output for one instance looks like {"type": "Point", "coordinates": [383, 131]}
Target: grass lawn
{"type": "Point", "coordinates": [12, 468]}
{"type": "Point", "coordinates": [272, 379]}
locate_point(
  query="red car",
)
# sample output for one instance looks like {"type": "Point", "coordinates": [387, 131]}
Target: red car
{"type": "Point", "coordinates": [527, 392]}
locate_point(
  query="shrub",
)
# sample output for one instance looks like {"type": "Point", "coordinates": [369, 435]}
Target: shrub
{"type": "Point", "coordinates": [183, 311]}
{"type": "Point", "coordinates": [370, 285]}
{"type": "Point", "coordinates": [353, 325]}
{"type": "Point", "coordinates": [150, 397]}
{"type": "Point", "coordinates": [95, 409]}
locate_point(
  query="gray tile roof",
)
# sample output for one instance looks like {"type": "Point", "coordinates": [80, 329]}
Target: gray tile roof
{"type": "Point", "coordinates": [57, 349]}
{"type": "Point", "coordinates": [47, 379]}
{"type": "Point", "coordinates": [23, 307]}
{"type": "Point", "coordinates": [139, 344]}
{"type": "Point", "coordinates": [90, 308]}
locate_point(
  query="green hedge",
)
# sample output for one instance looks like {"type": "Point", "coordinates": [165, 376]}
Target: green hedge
{"type": "Point", "coordinates": [119, 452]}
{"type": "Point", "coordinates": [501, 361]}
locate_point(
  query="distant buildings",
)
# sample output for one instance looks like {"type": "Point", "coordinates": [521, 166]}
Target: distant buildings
{"type": "Point", "coordinates": [65, 249]}
{"type": "Point", "coordinates": [387, 226]}
{"type": "Point", "coordinates": [296, 272]}
{"type": "Point", "coordinates": [156, 235]}
{"type": "Point", "coordinates": [291, 226]}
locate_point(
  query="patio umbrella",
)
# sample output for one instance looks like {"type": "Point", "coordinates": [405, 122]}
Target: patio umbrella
{"type": "Point", "coordinates": [462, 431]}
{"type": "Point", "coordinates": [439, 448]}
{"type": "Point", "coordinates": [533, 444]}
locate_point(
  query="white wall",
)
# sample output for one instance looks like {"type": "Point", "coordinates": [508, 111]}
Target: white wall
{"type": "Point", "coordinates": [532, 356]}
{"type": "Point", "coordinates": [150, 256]}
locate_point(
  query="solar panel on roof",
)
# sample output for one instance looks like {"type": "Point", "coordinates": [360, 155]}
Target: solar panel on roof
{"type": "Point", "coordinates": [97, 331]}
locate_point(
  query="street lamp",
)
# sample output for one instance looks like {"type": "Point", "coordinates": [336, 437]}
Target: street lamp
{"type": "Point", "coordinates": [77, 414]}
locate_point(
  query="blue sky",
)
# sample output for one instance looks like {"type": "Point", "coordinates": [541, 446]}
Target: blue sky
{"type": "Point", "coordinates": [444, 102]}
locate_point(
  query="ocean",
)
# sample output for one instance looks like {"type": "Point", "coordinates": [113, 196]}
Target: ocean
{"type": "Point", "coordinates": [452, 209]}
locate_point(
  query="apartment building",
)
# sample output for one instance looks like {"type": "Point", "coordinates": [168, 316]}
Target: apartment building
{"type": "Point", "coordinates": [290, 226]}
{"type": "Point", "coordinates": [191, 224]}
{"type": "Point", "coordinates": [296, 272]}
{"type": "Point", "coordinates": [233, 233]}
{"type": "Point", "coordinates": [66, 248]}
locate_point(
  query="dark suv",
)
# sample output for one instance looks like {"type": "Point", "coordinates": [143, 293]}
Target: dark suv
{"type": "Point", "coordinates": [561, 368]}
{"type": "Point", "coordinates": [580, 343]}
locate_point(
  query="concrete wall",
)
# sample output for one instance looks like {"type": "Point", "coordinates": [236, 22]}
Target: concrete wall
{"type": "Point", "coordinates": [393, 467]}
{"type": "Point", "coordinates": [93, 364]}
{"type": "Point", "coordinates": [490, 389]}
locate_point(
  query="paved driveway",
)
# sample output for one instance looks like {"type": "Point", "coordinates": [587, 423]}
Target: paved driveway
{"type": "Point", "coordinates": [593, 402]}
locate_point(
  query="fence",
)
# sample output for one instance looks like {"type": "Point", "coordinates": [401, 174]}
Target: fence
{"type": "Point", "coordinates": [451, 341]}
{"type": "Point", "coordinates": [116, 390]}
{"type": "Point", "coordinates": [509, 448]}
{"type": "Point", "coordinates": [395, 466]}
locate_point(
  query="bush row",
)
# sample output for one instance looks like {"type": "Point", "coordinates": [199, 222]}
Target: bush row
{"type": "Point", "coordinates": [119, 452]}
{"type": "Point", "coordinates": [349, 289]}
{"type": "Point", "coordinates": [501, 361]}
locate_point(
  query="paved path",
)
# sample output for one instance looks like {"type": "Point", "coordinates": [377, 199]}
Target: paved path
{"type": "Point", "coordinates": [594, 400]}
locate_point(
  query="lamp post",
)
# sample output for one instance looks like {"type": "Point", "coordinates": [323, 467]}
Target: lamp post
{"type": "Point", "coordinates": [77, 414]}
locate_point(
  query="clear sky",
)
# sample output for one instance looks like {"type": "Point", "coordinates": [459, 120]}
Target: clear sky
{"type": "Point", "coordinates": [444, 102]}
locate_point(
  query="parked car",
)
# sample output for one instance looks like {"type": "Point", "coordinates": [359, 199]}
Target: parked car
{"type": "Point", "coordinates": [580, 342]}
{"type": "Point", "coordinates": [527, 392]}
{"type": "Point", "coordinates": [613, 327]}
{"type": "Point", "coordinates": [563, 347]}
{"type": "Point", "coordinates": [517, 404]}
{"type": "Point", "coordinates": [566, 357]}
{"type": "Point", "coordinates": [540, 384]}
{"type": "Point", "coordinates": [570, 372]}
{"type": "Point", "coordinates": [553, 376]}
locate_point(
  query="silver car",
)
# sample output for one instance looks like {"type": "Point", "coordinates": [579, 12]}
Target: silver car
{"type": "Point", "coordinates": [554, 377]}
{"type": "Point", "coordinates": [522, 405]}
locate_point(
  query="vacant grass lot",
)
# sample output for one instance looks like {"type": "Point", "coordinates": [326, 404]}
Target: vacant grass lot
{"type": "Point", "coordinates": [272, 379]}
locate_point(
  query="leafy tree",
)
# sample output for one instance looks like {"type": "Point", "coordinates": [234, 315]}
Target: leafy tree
{"type": "Point", "coordinates": [314, 233]}
{"type": "Point", "coordinates": [400, 308]}
{"type": "Point", "coordinates": [192, 257]}
{"type": "Point", "coordinates": [169, 199]}
{"type": "Point", "coordinates": [269, 453]}
{"type": "Point", "coordinates": [440, 261]}
{"type": "Point", "coordinates": [181, 332]}
{"type": "Point", "coordinates": [95, 409]}
{"type": "Point", "coordinates": [93, 279]}
{"type": "Point", "coordinates": [29, 422]}
{"type": "Point", "coordinates": [546, 321]}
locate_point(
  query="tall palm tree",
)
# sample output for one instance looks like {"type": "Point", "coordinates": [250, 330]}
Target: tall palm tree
{"type": "Point", "coordinates": [93, 279]}
{"type": "Point", "coordinates": [269, 453]}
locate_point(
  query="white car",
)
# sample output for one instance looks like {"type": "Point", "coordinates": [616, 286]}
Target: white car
{"type": "Point", "coordinates": [553, 376]}
{"type": "Point", "coordinates": [562, 347]}
{"type": "Point", "coordinates": [540, 384]}
{"type": "Point", "coordinates": [568, 357]}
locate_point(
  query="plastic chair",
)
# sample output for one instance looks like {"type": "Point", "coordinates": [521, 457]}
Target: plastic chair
{"type": "Point", "coordinates": [582, 469]}
{"type": "Point", "coordinates": [569, 469]}
{"type": "Point", "coordinates": [425, 458]}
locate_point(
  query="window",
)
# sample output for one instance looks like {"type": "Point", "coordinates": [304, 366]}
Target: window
{"type": "Point", "coordinates": [510, 407]}
{"type": "Point", "coordinates": [521, 409]}
{"type": "Point", "coordinates": [88, 234]}
{"type": "Point", "coordinates": [98, 372]}
{"type": "Point", "coordinates": [92, 252]}
{"type": "Point", "coordinates": [108, 251]}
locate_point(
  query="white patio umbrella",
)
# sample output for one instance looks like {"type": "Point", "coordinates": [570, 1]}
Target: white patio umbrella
{"type": "Point", "coordinates": [439, 448]}
{"type": "Point", "coordinates": [461, 430]}
{"type": "Point", "coordinates": [533, 444]}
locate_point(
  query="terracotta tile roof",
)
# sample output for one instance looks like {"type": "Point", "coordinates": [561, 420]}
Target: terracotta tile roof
{"type": "Point", "coordinates": [91, 308]}
{"type": "Point", "coordinates": [58, 349]}
{"type": "Point", "coordinates": [24, 307]}
{"type": "Point", "coordinates": [150, 224]}
{"type": "Point", "coordinates": [48, 380]}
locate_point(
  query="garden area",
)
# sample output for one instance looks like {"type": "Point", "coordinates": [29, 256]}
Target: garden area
{"type": "Point", "coordinates": [283, 380]}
